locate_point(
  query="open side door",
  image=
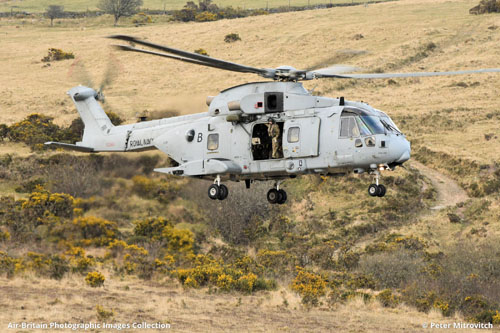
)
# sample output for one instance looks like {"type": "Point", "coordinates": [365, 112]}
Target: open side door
{"type": "Point", "coordinates": [301, 137]}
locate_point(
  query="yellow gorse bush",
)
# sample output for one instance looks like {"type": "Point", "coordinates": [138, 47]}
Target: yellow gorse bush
{"type": "Point", "coordinates": [309, 286]}
{"type": "Point", "coordinates": [42, 203]}
{"type": "Point", "coordinates": [9, 266]}
{"type": "Point", "coordinates": [95, 231]}
{"type": "Point", "coordinates": [95, 279]}
{"type": "Point", "coordinates": [210, 272]}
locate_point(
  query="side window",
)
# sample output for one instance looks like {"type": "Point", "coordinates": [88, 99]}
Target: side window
{"type": "Point", "coordinates": [213, 141]}
{"type": "Point", "coordinates": [348, 127]}
{"type": "Point", "coordinates": [293, 134]}
{"type": "Point", "coordinates": [344, 127]}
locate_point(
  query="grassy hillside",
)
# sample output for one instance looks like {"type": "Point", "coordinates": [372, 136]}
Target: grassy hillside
{"type": "Point", "coordinates": [426, 252]}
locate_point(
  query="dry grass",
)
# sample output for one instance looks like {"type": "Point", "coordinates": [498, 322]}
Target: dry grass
{"type": "Point", "coordinates": [32, 299]}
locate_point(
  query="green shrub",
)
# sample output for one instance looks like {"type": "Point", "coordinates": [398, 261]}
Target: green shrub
{"type": "Point", "coordinates": [205, 17]}
{"type": "Point", "coordinates": [95, 279]}
{"type": "Point", "coordinates": [31, 185]}
{"type": "Point", "coordinates": [231, 38]}
{"type": "Point", "coordinates": [162, 190]}
{"type": "Point", "coordinates": [42, 202]}
{"type": "Point", "coordinates": [276, 263]}
{"type": "Point", "coordinates": [58, 266]}
{"type": "Point", "coordinates": [90, 230]}
{"type": "Point", "coordinates": [152, 227]}
{"type": "Point", "coordinates": [4, 236]}
{"type": "Point", "coordinates": [207, 271]}
{"type": "Point", "coordinates": [4, 132]}
{"type": "Point", "coordinates": [142, 19]}
{"type": "Point", "coordinates": [388, 299]}
{"type": "Point", "coordinates": [53, 266]}
{"type": "Point", "coordinates": [201, 51]}
{"type": "Point", "coordinates": [57, 54]}
{"type": "Point", "coordinates": [9, 265]}
{"type": "Point", "coordinates": [179, 240]}
{"type": "Point", "coordinates": [35, 129]}
{"type": "Point", "coordinates": [103, 314]}
{"type": "Point", "coordinates": [309, 286]}
{"type": "Point", "coordinates": [246, 283]}
{"type": "Point", "coordinates": [486, 316]}
{"type": "Point", "coordinates": [489, 6]}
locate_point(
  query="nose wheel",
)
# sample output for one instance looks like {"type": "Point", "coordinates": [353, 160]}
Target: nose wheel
{"type": "Point", "coordinates": [218, 191]}
{"type": "Point", "coordinates": [276, 195]}
{"type": "Point", "coordinates": [377, 190]}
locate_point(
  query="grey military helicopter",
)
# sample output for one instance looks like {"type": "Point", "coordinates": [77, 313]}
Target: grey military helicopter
{"type": "Point", "coordinates": [231, 141]}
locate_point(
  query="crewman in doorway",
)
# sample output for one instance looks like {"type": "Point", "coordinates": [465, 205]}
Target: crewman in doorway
{"type": "Point", "coordinates": [273, 130]}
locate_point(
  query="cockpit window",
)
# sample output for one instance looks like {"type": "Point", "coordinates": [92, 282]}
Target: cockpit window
{"type": "Point", "coordinates": [348, 127]}
{"type": "Point", "coordinates": [374, 124]}
{"type": "Point", "coordinates": [363, 129]}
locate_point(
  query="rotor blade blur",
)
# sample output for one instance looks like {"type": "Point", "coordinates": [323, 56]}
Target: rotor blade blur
{"type": "Point", "coordinates": [335, 69]}
{"type": "Point", "coordinates": [79, 72]}
{"type": "Point", "coordinates": [111, 72]}
{"type": "Point", "coordinates": [133, 49]}
{"type": "Point", "coordinates": [414, 74]}
{"type": "Point", "coordinates": [201, 59]}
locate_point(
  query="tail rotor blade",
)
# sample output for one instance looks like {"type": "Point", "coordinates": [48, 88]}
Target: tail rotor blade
{"type": "Point", "coordinates": [79, 73]}
{"type": "Point", "coordinates": [112, 70]}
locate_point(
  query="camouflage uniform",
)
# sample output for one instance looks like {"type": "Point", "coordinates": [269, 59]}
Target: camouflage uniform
{"type": "Point", "coordinates": [273, 131]}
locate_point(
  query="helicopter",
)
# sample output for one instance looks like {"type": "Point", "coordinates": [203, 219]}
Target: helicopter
{"type": "Point", "coordinates": [232, 140]}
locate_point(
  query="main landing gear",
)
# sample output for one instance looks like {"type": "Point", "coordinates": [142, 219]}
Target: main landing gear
{"type": "Point", "coordinates": [217, 190]}
{"type": "Point", "coordinates": [376, 190]}
{"type": "Point", "coordinates": [276, 195]}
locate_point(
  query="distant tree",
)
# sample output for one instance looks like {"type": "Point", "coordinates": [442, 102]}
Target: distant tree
{"type": "Point", "coordinates": [54, 11]}
{"type": "Point", "coordinates": [207, 6]}
{"type": "Point", "coordinates": [119, 8]}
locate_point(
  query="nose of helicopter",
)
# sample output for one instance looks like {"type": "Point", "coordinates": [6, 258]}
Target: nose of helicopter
{"type": "Point", "coordinates": [403, 150]}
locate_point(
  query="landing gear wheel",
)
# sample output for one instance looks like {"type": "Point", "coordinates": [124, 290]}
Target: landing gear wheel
{"type": "Point", "coordinates": [282, 197]}
{"type": "Point", "coordinates": [214, 191]}
{"type": "Point", "coordinates": [373, 190]}
{"type": "Point", "coordinates": [223, 192]}
{"type": "Point", "coordinates": [273, 196]}
{"type": "Point", "coordinates": [381, 190]}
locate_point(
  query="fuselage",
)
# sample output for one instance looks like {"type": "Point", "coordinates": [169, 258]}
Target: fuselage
{"type": "Point", "coordinates": [317, 135]}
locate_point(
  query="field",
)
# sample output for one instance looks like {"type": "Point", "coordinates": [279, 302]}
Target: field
{"type": "Point", "coordinates": [433, 241]}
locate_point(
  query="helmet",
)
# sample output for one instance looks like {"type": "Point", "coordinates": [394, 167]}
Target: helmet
{"type": "Point", "coordinates": [271, 120]}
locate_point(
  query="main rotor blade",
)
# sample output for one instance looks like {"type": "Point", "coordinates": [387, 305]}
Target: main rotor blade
{"type": "Point", "coordinates": [414, 74]}
{"type": "Point", "coordinates": [191, 61]}
{"type": "Point", "coordinates": [335, 69]}
{"type": "Point", "coordinates": [200, 59]}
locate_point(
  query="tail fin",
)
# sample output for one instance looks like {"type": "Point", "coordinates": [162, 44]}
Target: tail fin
{"type": "Point", "coordinates": [97, 123]}
{"type": "Point", "coordinates": [99, 133]}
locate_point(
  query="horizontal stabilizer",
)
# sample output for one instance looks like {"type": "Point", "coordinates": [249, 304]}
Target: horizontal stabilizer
{"type": "Point", "coordinates": [69, 146]}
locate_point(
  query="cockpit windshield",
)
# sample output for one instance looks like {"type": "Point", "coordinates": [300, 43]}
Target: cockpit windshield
{"type": "Point", "coordinates": [392, 126]}
{"type": "Point", "coordinates": [374, 124]}
{"type": "Point", "coordinates": [357, 122]}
